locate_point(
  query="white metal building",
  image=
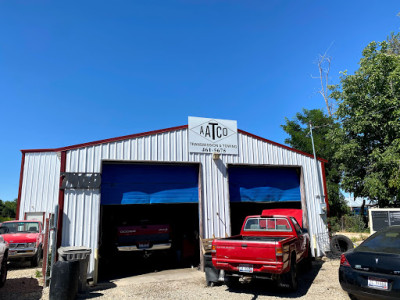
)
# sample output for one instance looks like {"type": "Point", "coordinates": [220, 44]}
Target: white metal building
{"type": "Point", "coordinates": [43, 171]}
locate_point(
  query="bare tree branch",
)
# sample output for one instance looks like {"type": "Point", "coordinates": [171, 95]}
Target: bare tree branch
{"type": "Point", "coordinates": [324, 66]}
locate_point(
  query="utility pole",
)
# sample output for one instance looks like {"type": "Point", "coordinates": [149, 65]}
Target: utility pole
{"type": "Point", "coordinates": [321, 190]}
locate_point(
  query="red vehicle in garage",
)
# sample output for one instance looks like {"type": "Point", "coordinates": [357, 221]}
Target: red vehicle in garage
{"type": "Point", "coordinates": [145, 238]}
{"type": "Point", "coordinates": [270, 246]}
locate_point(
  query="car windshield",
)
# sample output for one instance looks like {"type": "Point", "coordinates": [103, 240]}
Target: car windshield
{"type": "Point", "coordinates": [267, 224]}
{"type": "Point", "coordinates": [386, 241]}
{"type": "Point", "coordinates": [16, 227]}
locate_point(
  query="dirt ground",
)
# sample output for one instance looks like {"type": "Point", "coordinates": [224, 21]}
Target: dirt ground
{"type": "Point", "coordinates": [322, 281]}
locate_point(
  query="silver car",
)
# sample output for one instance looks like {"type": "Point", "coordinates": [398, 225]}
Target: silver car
{"type": "Point", "coordinates": [3, 261]}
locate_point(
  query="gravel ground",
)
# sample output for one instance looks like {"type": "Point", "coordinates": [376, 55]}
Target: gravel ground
{"type": "Point", "coordinates": [321, 281]}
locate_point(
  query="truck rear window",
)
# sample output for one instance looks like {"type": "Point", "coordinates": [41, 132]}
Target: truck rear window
{"type": "Point", "coordinates": [267, 224]}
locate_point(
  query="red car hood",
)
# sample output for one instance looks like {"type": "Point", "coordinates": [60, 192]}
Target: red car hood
{"type": "Point", "coordinates": [20, 237]}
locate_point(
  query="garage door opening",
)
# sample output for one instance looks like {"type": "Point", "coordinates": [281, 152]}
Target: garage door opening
{"type": "Point", "coordinates": [183, 223]}
{"type": "Point", "coordinates": [253, 189]}
{"type": "Point", "coordinates": [149, 218]}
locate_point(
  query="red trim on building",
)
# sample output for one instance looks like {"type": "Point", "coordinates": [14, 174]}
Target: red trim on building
{"type": "Point", "coordinates": [121, 138]}
{"type": "Point", "coordinates": [325, 188]}
{"type": "Point", "coordinates": [21, 178]}
{"type": "Point", "coordinates": [280, 145]}
{"type": "Point", "coordinates": [61, 200]}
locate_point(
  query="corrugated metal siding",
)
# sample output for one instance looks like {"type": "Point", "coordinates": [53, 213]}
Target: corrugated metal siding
{"type": "Point", "coordinates": [81, 220]}
{"type": "Point", "coordinates": [40, 184]}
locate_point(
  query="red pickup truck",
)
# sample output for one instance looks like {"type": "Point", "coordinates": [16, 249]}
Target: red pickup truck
{"type": "Point", "coordinates": [270, 246]}
{"type": "Point", "coordinates": [25, 240]}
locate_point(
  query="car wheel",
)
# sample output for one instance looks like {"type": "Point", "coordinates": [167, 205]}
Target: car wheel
{"type": "Point", "coordinates": [36, 259]}
{"type": "Point", "coordinates": [340, 244]}
{"type": "Point", "coordinates": [3, 271]}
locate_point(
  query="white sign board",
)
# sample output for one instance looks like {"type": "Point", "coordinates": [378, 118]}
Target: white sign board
{"type": "Point", "coordinates": [213, 136]}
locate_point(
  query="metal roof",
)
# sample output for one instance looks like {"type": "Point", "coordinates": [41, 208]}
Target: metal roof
{"type": "Point", "coordinates": [126, 137]}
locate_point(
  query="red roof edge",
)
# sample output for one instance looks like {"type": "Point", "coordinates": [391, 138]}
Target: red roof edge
{"type": "Point", "coordinates": [121, 138]}
{"type": "Point", "coordinates": [116, 139]}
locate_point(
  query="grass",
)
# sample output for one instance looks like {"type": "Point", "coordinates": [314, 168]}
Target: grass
{"type": "Point", "coordinates": [38, 274]}
{"type": "Point", "coordinates": [360, 238]}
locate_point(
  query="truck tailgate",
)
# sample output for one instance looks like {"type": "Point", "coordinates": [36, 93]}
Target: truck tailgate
{"type": "Point", "coordinates": [250, 254]}
{"type": "Point", "coordinates": [245, 251]}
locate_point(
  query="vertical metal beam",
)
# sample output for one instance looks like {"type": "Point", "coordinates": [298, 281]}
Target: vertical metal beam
{"type": "Point", "coordinates": [321, 191]}
{"type": "Point", "coordinates": [21, 178]}
{"type": "Point", "coordinates": [60, 211]}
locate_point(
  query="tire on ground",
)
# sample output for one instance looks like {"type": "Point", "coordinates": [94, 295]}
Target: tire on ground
{"type": "Point", "coordinates": [308, 260]}
{"type": "Point", "coordinates": [36, 259]}
{"type": "Point", "coordinates": [340, 244]}
{"type": "Point", "coordinates": [289, 279]}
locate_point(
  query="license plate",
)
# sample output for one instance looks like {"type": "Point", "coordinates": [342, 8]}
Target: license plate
{"type": "Point", "coordinates": [144, 245]}
{"type": "Point", "coordinates": [378, 283]}
{"type": "Point", "coordinates": [246, 268]}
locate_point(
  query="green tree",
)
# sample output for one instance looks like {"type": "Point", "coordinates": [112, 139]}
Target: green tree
{"type": "Point", "coordinates": [299, 138]}
{"type": "Point", "coordinates": [368, 140]}
{"type": "Point", "coordinates": [8, 210]}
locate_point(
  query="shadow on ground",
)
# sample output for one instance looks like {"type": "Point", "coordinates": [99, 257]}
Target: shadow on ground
{"type": "Point", "coordinates": [269, 288]}
{"type": "Point", "coordinates": [95, 291]}
{"type": "Point", "coordinates": [131, 264]}
{"type": "Point", "coordinates": [21, 289]}
{"type": "Point", "coordinates": [21, 264]}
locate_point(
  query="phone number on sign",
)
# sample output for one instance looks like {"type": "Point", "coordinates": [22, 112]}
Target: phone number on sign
{"type": "Point", "coordinates": [213, 150]}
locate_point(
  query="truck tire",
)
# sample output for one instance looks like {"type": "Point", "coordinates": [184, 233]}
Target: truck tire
{"type": "Point", "coordinates": [36, 259]}
{"type": "Point", "coordinates": [289, 279]}
{"type": "Point", "coordinates": [308, 260]}
{"type": "Point", "coordinates": [340, 244]}
{"type": "Point", "coordinates": [3, 271]}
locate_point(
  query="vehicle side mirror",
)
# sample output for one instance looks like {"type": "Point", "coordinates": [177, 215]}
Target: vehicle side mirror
{"type": "Point", "coordinates": [305, 230]}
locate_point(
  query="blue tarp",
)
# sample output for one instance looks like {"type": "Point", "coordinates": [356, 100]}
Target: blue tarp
{"type": "Point", "coordinates": [149, 184]}
{"type": "Point", "coordinates": [250, 184]}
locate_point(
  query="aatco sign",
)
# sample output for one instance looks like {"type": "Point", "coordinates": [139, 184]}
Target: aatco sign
{"type": "Point", "coordinates": [212, 136]}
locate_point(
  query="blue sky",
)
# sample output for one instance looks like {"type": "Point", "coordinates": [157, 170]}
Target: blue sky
{"type": "Point", "coordinates": [79, 71]}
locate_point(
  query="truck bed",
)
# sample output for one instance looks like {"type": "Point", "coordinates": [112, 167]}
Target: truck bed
{"type": "Point", "coordinates": [264, 238]}
{"type": "Point", "coordinates": [255, 238]}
